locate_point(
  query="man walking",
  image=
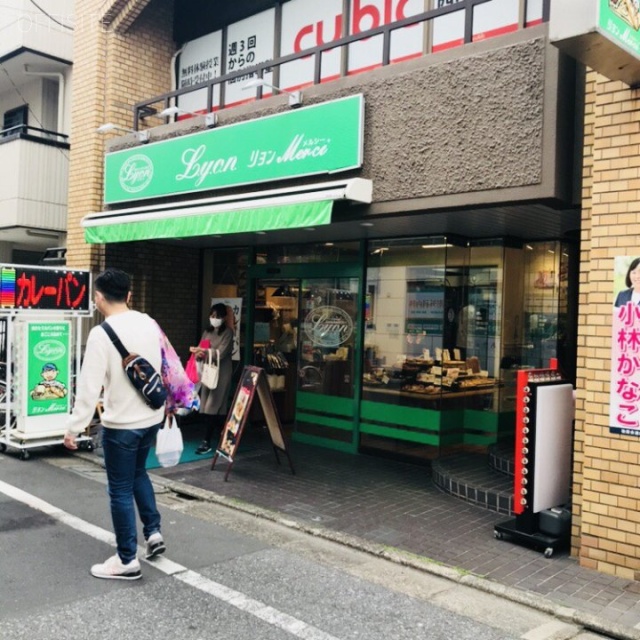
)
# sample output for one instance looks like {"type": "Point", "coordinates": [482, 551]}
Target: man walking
{"type": "Point", "coordinates": [129, 424]}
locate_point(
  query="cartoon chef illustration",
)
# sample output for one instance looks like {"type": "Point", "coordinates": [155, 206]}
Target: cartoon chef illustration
{"type": "Point", "coordinates": [49, 388]}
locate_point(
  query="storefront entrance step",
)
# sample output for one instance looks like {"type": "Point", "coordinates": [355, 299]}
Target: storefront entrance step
{"type": "Point", "coordinates": [501, 457]}
{"type": "Point", "coordinates": [470, 478]}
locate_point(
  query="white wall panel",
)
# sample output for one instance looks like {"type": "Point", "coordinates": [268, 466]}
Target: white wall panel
{"type": "Point", "coordinates": [34, 188]}
{"type": "Point", "coordinates": [22, 24]}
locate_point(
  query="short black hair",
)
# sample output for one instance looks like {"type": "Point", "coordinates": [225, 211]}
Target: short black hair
{"type": "Point", "coordinates": [113, 284]}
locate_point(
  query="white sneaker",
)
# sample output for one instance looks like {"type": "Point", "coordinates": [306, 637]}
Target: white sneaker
{"type": "Point", "coordinates": [115, 569]}
{"type": "Point", "coordinates": [155, 545]}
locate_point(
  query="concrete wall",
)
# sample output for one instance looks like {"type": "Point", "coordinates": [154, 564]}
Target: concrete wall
{"type": "Point", "coordinates": [473, 125]}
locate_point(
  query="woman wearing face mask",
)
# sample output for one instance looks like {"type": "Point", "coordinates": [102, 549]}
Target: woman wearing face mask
{"type": "Point", "coordinates": [214, 403]}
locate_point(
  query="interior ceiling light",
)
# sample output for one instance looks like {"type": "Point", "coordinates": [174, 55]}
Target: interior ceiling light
{"type": "Point", "coordinates": [283, 291]}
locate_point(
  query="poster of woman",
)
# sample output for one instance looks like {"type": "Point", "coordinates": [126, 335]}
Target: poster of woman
{"type": "Point", "coordinates": [624, 394]}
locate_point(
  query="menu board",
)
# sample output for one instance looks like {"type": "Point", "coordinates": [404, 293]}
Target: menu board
{"type": "Point", "coordinates": [253, 383]}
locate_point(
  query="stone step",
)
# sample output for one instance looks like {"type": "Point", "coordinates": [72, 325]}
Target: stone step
{"type": "Point", "coordinates": [470, 477]}
{"type": "Point", "coordinates": [501, 457]}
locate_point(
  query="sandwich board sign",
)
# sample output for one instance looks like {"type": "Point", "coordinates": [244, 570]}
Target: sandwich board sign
{"type": "Point", "coordinates": [253, 384]}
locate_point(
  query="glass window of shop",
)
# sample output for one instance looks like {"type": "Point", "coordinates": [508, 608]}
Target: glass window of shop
{"type": "Point", "coordinates": [447, 324]}
{"type": "Point", "coordinates": [433, 321]}
{"type": "Point", "coordinates": [306, 335]}
{"type": "Point", "coordinates": [324, 252]}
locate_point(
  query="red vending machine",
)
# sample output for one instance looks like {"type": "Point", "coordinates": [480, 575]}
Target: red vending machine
{"type": "Point", "coordinates": [543, 448]}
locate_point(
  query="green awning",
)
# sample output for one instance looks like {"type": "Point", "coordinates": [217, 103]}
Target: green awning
{"type": "Point", "coordinates": [123, 227]}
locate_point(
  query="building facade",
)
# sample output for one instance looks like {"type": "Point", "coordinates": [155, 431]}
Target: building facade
{"type": "Point", "coordinates": [35, 103]}
{"type": "Point", "coordinates": [606, 455]}
{"type": "Point", "coordinates": [468, 227]}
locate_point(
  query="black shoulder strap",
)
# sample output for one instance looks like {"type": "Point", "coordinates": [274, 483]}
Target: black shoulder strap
{"type": "Point", "coordinates": [114, 338]}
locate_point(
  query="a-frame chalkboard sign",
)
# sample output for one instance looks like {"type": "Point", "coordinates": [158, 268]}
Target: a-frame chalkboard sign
{"type": "Point", "coordinates": [253, 382]}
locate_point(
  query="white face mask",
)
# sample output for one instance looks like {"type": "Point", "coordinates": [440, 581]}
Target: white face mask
{"type": "Point", "coordinates": [215, 322]}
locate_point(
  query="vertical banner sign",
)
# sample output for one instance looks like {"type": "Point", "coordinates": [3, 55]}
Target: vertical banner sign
{"type": "Point", "coordinates": [235, 304]}
{"type": "Point", "coordinates": [624, 394]}
{"type": "Point", "coordinates": [48, 368]}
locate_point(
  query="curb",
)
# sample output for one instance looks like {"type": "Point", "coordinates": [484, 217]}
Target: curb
{"type": "Point", "coordinates": [583, 619]}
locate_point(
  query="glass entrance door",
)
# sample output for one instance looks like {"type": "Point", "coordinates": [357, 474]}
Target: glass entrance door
{"type": "Point", "coordinates": [275, 340]}
{"type": "Point", "coordinates": [327, 359]}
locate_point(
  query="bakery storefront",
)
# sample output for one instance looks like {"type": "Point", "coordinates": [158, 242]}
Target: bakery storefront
{"type": "Point", "coordinates": [397, 245]}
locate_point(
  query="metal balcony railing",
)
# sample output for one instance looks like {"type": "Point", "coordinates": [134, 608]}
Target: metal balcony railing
{"type": "Point", "coordinates": [24, 132]}
{"type": "Point", "coordinates": [145, 108]}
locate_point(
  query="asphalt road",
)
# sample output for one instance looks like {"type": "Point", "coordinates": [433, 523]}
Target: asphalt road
{"type": "Point", "coordinates": [226, 574]}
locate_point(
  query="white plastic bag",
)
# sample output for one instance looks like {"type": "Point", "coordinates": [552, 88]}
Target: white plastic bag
{"type": "Point", "coordinates": [169, 443]}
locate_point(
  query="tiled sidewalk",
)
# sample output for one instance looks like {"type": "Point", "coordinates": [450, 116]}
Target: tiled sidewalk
{"type": "Point", "coordinates": [397, 505]}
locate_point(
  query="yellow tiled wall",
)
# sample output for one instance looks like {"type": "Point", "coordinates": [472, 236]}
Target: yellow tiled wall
{"type": "Point", "coordinates": [123, 54]}
{"type": "Point", "coordinates": [606, 491]}
{"type": "Point", "coordinates": [115, 65]}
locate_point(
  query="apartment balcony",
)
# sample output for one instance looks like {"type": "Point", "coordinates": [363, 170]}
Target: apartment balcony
{"type": "Point", "coordinates": [33, 189]}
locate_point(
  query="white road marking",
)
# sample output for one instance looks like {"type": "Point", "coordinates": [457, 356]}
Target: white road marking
{"type": "Point", "coordinates": [232, 597]}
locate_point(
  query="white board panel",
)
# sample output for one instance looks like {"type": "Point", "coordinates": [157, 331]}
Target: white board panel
{"type": "Point", "coordinates": [554, 435]}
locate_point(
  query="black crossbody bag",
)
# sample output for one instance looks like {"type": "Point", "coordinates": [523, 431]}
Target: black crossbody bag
{"type": "Point", "coordinates": [140, 372]}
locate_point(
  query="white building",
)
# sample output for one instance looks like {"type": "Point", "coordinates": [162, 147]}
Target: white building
{"type": "Point", "coordinates": [36, 45]}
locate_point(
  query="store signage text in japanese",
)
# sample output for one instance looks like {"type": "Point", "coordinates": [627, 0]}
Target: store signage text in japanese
{"type": "Point", "coordinates": [624, 395]}
{"type": "Point", "coordinates": [48, 368]}
{"type": "Point", "coordinates": [318, 139]}
{"type": "Point", "coordinates": [26, 287]}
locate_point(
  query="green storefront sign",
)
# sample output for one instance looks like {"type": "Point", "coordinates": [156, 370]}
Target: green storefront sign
{"type": "Point", "coordinates": [48, 368]}
{"type": "Point", "coordinates": [317, 139]}
{"type": "Point", "coordinates": [619, 20]}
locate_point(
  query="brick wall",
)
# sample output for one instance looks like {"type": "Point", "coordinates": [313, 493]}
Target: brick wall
{"type": "Point", "coordinates": [165, 284]}
{"type": "Point", "coordinates": [606, 524]}
{"type": "Point", "coordinates": [120, 60]}
{"type": "Point", "coordinates": [111, 72]}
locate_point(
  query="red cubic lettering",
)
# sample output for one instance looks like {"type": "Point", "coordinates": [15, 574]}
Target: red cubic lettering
{"type": "Point", "coordinates": [318, 29]}
{"type": "Point", "coordinates": [394, 10]}
{"type": "Point", "coordinates": [361, 12]}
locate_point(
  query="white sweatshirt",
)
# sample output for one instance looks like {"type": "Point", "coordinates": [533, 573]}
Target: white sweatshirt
{"type": "Point", "coordinates": [124, 407]}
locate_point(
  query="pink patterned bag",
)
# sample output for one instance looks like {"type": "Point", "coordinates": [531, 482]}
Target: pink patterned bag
{"type": "Point", "coordinates": [181, 390]}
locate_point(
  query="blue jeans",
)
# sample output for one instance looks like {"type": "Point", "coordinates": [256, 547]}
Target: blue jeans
{"type": "Point", "coordinates": [125, 457]}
